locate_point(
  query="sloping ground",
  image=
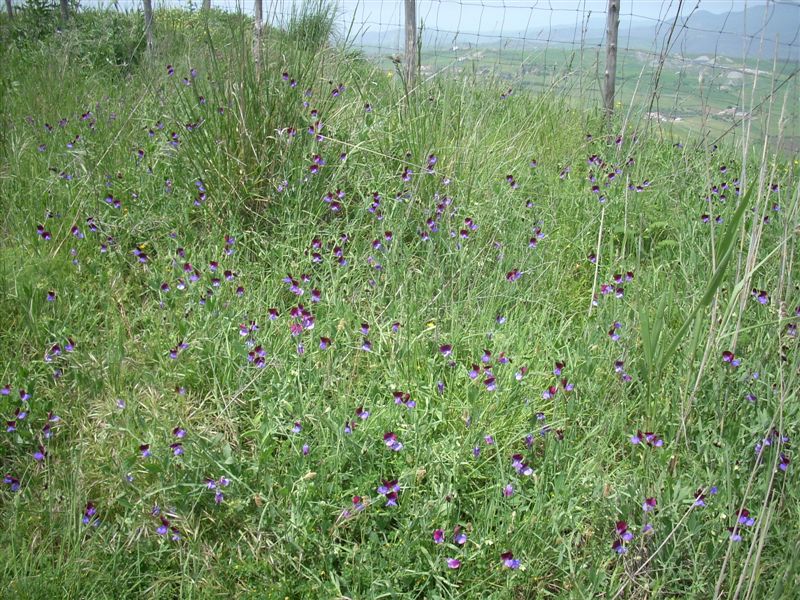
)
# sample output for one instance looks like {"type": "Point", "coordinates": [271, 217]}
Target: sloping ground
{"type": "Point", "coordinates": [283, 332]}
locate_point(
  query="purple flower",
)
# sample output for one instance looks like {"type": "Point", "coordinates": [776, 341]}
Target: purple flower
{"type": "Point", "coordinates": [438, 536]}
{"type": "Point", "coordinates": [509, 560]}
{"type": "Point", "coordinates": [391, 441]}
{"type": "Point", "coordinates": [508, 490]}
{"type": "Point", "coordinates": [459, 537]}
{"type": "Point", "coordinates": [519, 466]}
{"type": "Point", "coordinates": [549, 393]}
{"type": "Point", "coordinates": [784, 463]}
{"type": "Point", "coordinates": [653, 440]}
{"type": "Point", "coordinates": [12, 482]}
{"type": "Point", "coordinates": [453, 563]}
{"type": "Point", "coordinates": [388, 486]}
{"type": "Point", "coordinates": [163, 528]}
{"type": "Point", "coordinates": [39, 454]}
{"type": "Point", "coordinates": [177, 448]}
{"type": "Point", "coordinates": [621, 528]}
{"type": "Point", "coordinates": [446, 349]}
{"type": "Point", "coordinates": [649, 504]}
{"type": "Point", "coordinates": [728, 357]}
{"type": "Point", "coordinates": [89, 512]}
{"type": "Point", "coordinates": [699, 499]}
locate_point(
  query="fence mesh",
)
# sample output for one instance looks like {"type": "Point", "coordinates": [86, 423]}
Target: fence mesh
{"type": "Point", "coordinates": [710, 65]}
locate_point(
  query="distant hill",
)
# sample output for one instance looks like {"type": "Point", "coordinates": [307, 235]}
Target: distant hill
{"type": "Point", "coordinates": [735, 34]}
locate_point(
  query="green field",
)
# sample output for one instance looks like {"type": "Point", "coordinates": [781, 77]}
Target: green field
{"type": "Point", "coordinates": [290, 329]}
{"type": "Point", "coordinates": [725, 97]}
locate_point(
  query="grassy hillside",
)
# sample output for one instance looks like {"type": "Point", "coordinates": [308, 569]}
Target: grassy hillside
{"type": "Point", "coordinates": [284, 330]}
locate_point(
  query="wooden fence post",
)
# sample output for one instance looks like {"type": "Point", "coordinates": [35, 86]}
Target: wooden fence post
{"type": "Point", "coordinates": [10, 9]}
{"type": "Point", "coordinates": [64, 10]}
{"type": "Point", "coordinates": [411, 42]}
{"type": "Point", "coordinates": [148, 22]}
{"type": "Point", "coordinates": [612, 31]}
{"type": "Point", "coordinates": [206, 5]}
{"type": "Point", "coordinates": [258, 25]}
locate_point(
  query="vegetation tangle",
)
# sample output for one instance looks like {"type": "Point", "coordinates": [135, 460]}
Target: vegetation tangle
{"type": "Point", "coordinates": [289, 329]}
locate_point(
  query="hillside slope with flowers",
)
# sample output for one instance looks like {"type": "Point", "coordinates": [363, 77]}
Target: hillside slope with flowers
{"type": "Point", "coordinates": [291, 331]}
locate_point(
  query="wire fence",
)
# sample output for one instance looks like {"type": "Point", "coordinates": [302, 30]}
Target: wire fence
{"type": "Point", "coordinates": [711, 65]}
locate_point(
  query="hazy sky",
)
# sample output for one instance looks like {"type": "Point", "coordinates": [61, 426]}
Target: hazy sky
{"type": "Point", "coordinates": [516, 15]}
{"type": "Point", "coordinates": [475, 15]}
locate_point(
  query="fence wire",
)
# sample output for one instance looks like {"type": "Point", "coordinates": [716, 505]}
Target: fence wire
{"type": "Point", "coordinates": [715, 65]}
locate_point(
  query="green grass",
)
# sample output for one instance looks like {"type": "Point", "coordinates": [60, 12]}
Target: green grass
{"type": "Point", "coordinates": [280, 531]}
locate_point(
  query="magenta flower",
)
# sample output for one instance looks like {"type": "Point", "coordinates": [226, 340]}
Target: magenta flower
{"type": "Point", "coordinates": [453, 563]}
{"type": "Point", "coordinates": [438, 536]}
{"type": "Point", "coordinates": [649, 504]}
